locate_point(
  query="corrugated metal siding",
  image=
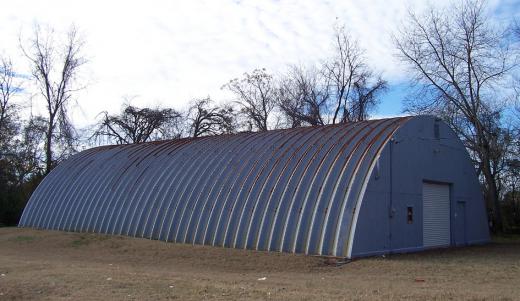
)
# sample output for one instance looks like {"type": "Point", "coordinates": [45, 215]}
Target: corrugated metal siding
{"type": "Point", "coordinates": [292, 190]}
{"type": "Point", "coordinates": [436, 215]}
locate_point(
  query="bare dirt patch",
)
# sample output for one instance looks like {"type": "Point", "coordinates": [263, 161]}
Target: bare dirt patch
{"type": "Point", "coordinates": [52, 265]}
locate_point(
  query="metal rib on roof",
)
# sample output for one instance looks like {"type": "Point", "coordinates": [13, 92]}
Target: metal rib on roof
{"type": "Point", "coordinates": [295, 190]}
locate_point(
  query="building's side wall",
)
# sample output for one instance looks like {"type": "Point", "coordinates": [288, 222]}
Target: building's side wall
{"type": "Point", "coordinates": [287, 190]}
{"type": "Point", "coordinates": [415, 155]}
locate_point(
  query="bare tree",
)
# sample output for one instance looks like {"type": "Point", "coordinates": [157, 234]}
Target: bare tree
{"type": "Point", "coordinates": [303, 97]}
{"type": "Point", "coordinates": [516, 85]}
{"type": "Point", "coordinates": [28, 154]}
{"type": "Point", "coordinates": [136, 125]}
{"type": "Point", "coordinates": [342, 70]}
{"type": "Point", "coordinates": [256, 96]}
{"type": "Point", "coordinates": [206, 119]}
{"type": "Point", "coordinates": [347, 71]}
{"type": "Point", "coordinates": [458, 60]}
{"type": "Point", "coordinates": [344, 89]}
{"type": "Point", "coordinates": [365, 96]}
{"type": "Point", "coordinates": [55, 68]}
{"type": "Point", "coordinates": [8, 88]}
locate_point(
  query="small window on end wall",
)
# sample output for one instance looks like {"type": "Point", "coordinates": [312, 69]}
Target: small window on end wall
{"type": "Point", "coordinates": [409, 215]}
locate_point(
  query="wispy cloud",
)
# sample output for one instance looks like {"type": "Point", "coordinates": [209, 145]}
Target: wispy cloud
{"type": "Point", "coordinates": [169, 52]}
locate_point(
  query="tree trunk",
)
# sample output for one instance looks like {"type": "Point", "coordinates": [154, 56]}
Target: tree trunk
{"type": "Point", "coordinates": [48, 148]}
{"type": "Point", "coordinates": [492, 192]}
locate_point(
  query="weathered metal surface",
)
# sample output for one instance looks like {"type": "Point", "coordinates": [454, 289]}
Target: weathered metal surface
{"type": "Point", "coordinates": [292, 190]}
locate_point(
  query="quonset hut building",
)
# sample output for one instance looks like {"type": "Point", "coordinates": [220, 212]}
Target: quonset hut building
{"type": "Point", "coordinates": [372, 187]}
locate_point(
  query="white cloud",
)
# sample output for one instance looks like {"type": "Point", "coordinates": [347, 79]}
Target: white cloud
{"type": "Point", "coordinates": [168, 52]}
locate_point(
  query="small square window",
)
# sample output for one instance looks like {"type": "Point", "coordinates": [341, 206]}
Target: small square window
{"type": "Point", "coordinates": [409, 215]}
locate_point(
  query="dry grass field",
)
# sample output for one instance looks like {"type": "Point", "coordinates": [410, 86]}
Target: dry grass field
{"type": "Point", "coordinates": [51, 265]}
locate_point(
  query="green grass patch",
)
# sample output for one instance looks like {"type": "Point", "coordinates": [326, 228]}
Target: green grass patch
{"type": "Point", "coordinates": [81, 241]}
{"type": "Point", "coordinates": [88, 238]}
{"type": "Point", "coordinates": [22, 238]}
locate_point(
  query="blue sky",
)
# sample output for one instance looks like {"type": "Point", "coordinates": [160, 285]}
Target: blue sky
{"type": "Point", "coordinates": [391, 103]}
{"type": "Point", "coordinates": [166, 53]}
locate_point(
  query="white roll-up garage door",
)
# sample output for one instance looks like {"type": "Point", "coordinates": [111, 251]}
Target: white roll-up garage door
{"type": "Point", "coordinates": [436, 215]}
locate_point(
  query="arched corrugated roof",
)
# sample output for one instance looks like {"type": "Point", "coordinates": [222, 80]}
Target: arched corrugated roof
{"type": "Point", "coordinates": [291, 190]}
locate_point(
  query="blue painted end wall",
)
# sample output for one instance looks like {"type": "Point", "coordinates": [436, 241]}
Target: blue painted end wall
{"type": "Point", "coordinates": [414, 156]}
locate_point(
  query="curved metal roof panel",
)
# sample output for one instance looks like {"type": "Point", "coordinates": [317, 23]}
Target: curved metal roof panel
{"type": "Point", "coordinates": [291, 190]}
